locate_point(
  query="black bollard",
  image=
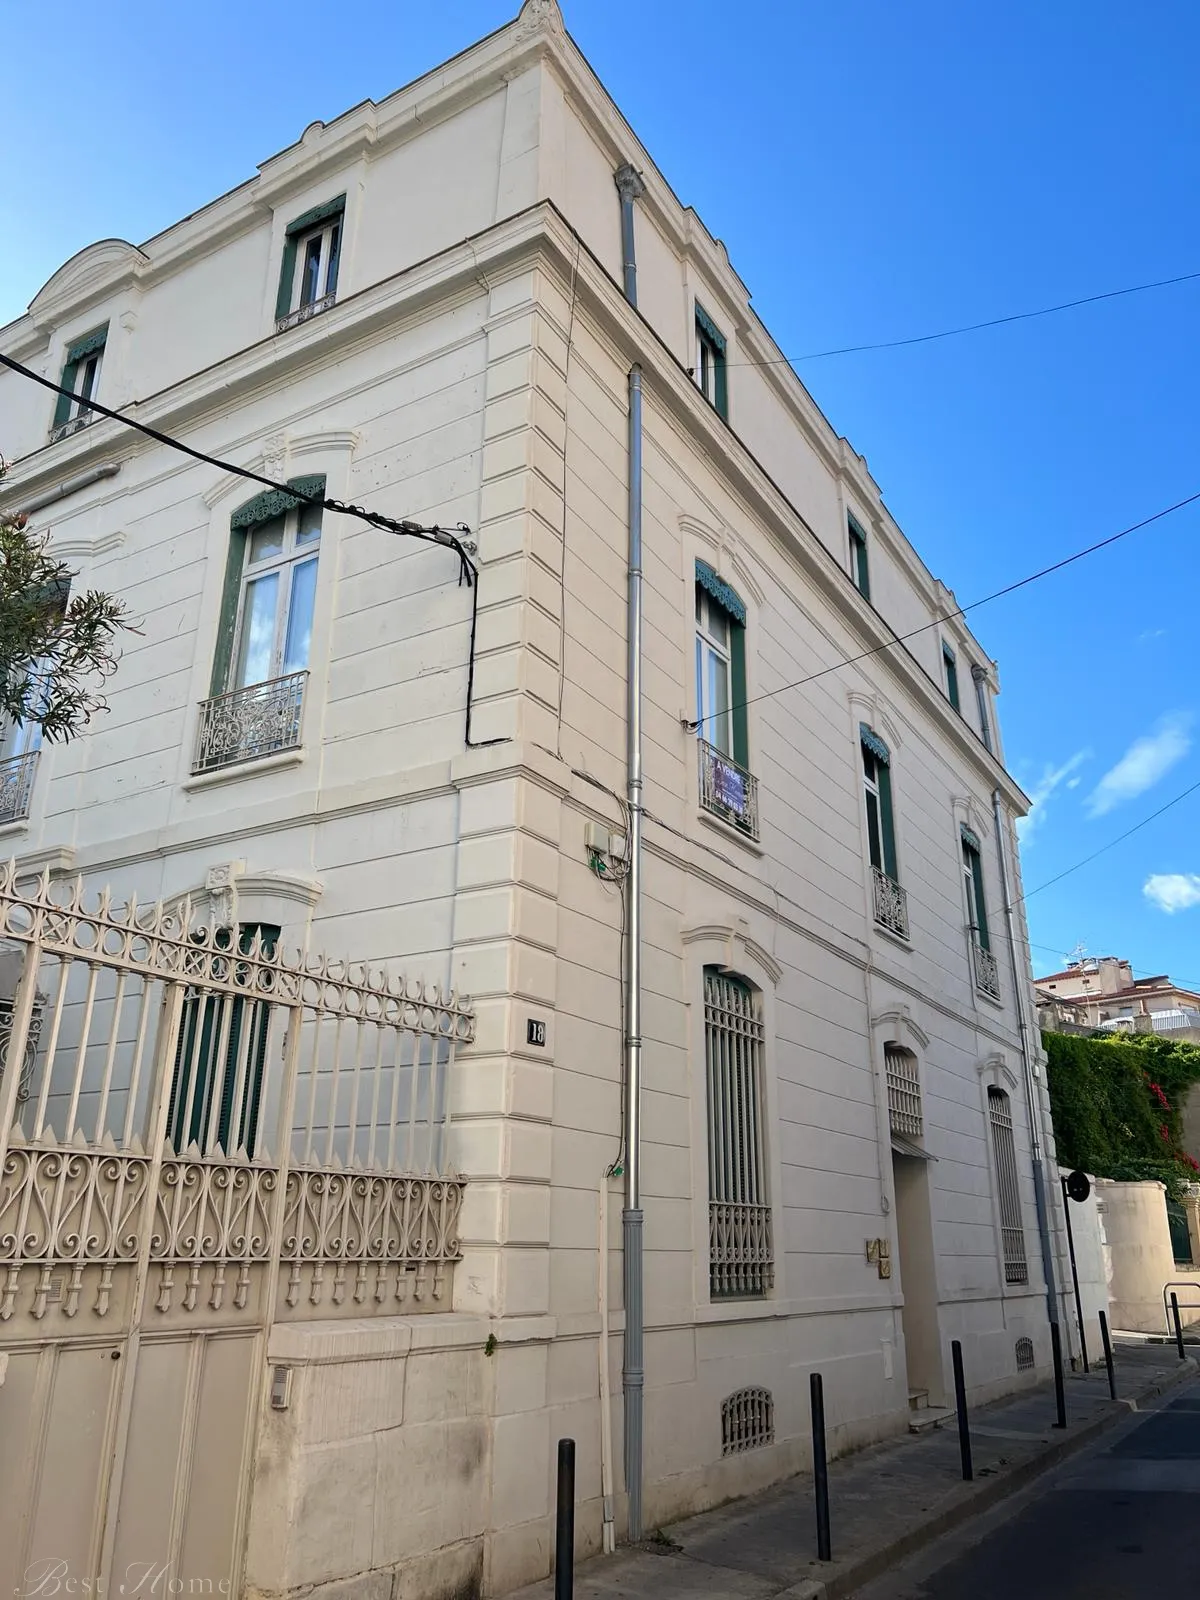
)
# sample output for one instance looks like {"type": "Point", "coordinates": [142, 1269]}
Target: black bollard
{"type": "Point", "coordinates": [1178, 1325]}
{"type": "Point", "coordinates": [1108, 1356]}
{"type": "Point", "coordinates": [1060, 1393]}
{"type": "Point", "coordinates": [564, 1534]}
{"type": "Point", "coordinates": [820, 1466]}
{"type": "Point", "coordinates": [960, 1405]}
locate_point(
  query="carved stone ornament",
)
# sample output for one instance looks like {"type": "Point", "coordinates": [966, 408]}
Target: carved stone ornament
{"type": "Point", "coordinates": [274, 454]}
{"type": "Point", "coordinates": [539, 16]}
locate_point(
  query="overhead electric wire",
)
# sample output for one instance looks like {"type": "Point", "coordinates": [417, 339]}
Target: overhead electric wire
{"type": "Point", "coordinates": [970, 327]}
{"type": "Point", "coordinates": [432, 534]}
{"type": "Point", "coordinates": [1121, 837]}
{"type": "Point", "coordinates": [961, 611]}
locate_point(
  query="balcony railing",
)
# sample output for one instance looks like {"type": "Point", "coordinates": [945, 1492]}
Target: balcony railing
{"type": "Point", "coordinates": [303, 313]}
{"type": "Point", "coordinates": [728, 790]}
{"type": "Point", "coordinates": [16, 786]}
{"type": "Point", "coordinates": [72, 425]}
{"type": "Point", "coordinates": [987, 972]}
{"type": "Point", "coordinates": [891, 903]}
{"type": "Point", "coordinates": [257, 721]}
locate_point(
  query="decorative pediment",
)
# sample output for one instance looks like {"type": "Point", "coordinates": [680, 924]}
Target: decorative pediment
{"type": "Point", "coordinates": [738, 948]}
{"type": "Point", "coordinates": [899, 1022]}
{"type": "Point", "coordinates": [100, 266]}
{"type": "Point", "coordinates": [995, 1071]}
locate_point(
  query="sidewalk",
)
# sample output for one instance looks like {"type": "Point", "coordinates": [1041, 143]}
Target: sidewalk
{"type": "Point", "coordinates": [885, 1502]}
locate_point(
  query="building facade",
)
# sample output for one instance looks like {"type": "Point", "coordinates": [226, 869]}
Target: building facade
{"type": "Point", "coordinates": [1102, 992]}
{"type": "Point", "coordinates": [328, 740]}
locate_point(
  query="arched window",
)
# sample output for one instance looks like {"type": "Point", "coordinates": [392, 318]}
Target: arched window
{"type": "Point", "coordinates": [1012, 1232]}
{"type": "Point", "coordinates": [905, 1115]}
{"type": "Point", "coordinates": [741, 1261]}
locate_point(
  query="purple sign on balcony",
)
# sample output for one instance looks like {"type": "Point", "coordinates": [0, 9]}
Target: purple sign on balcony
{"type": "Point", "coordinates": [729, 786]}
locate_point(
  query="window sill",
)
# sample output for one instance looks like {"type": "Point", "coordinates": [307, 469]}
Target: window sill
{"type": "Point", "coordinates": [238, 770]}
{"type": "Point", "coordinates": [892, 937]}
{"type": "Point", "coordinates": [993, 1000]}
{"type": "Point", "coordinates": [14, 827]}
{"type": "Point", "coordinates": [729, 830]}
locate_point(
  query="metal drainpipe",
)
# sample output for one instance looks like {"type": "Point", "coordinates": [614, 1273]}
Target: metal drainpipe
{"type": "Point", "coordinates": [632, 1372]}
{"type": "Point", "coordinates": [83, 480]}
{"type": "Point", "coordinates": [630, 187]}
{"type": "Point", "coordinates": [1032, 1102]}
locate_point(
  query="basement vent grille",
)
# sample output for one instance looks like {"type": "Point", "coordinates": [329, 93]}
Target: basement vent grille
{"type": "Point", "coordinates": [1024, 1354]}
{"type": "Point", "coordinates": [747, 1421]}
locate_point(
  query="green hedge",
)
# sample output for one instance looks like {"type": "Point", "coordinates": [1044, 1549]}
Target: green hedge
{"type": "Point", "coordinates": [1116, 1101]}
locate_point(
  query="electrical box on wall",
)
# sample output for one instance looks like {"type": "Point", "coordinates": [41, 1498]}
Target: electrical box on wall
{"type": "Point", "coordinates": [597, 839]}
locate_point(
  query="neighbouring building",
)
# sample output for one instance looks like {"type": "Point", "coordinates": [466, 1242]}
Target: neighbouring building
{"type": "Point", "coordinates": [1102, 992]}
{"type": "Point", "coordinates": [321, 1266]}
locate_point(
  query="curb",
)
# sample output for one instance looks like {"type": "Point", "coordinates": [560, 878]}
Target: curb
{"type": "Point", "coordinates": [974, 1500]}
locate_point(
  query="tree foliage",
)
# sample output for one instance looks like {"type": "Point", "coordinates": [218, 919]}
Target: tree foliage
{"type": "Point", "coordinates": [57, 650]}
{"type": "Point", "coordinates": [1117, 1100]}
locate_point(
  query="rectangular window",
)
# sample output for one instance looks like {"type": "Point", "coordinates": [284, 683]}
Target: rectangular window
{"type": "Point", "coordinates": [80, 374]}
{"type": "Point", "coordinates": [981, 701]}
{"type": "Point", "coordinates": [308, 275]}
{"type": "Point", "coordinates": [881, 834]}
{"type": "Point", "coordinates": [741, 1260]}
{"type": "Point", "coordinates": [859, 569]}
{"type": "Point", "coordinates": [973, 885]}
{"type": "Point", "coordinates": [275, 609]}
{"type": "Point", "coordinates": [1004, 1150]}
{"type": "Point", "coordinates": [950, 666]}
{"type": "Point", "coordinates": [727, 787]}
{"type": "Point", "coordinates": [220, 1064]}
{"type": "Point", "coordinates": [709, 371]}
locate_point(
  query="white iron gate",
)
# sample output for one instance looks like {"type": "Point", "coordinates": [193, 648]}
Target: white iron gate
{"type": "Point", "coordinates": [197, 1138]}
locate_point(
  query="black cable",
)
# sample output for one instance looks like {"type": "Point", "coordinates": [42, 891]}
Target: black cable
{"type": "Point", "coordinates": [926, 627]}
{"type": "Point", "coordinates": [1066, 873]}
{"type": "Point", "coordinates": [410, 530]}
{"type": "Point", "coordinates": [970, 327]}
{"type": "Point", "coordinates": [468, 573]}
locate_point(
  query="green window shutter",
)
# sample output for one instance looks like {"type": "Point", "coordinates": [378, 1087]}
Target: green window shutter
{"type": "Point", "coordinates": [287, 276]}
{"type": "Point", "coordinates": [859, 560]}
{"type": "Point", "coordinates": [887, 825]}
{"type": "Point", "coordinates": [722, 387]}
{"type": "Point", "coordinates": [981, 921]}
{"type": "Point", "coordinates": [951, 677]}
{"type": "Point", "coordinates": [737, 689]}
{"type": "Point", "coordinates": [62, 410]}
{"type": "Point", "coordinates": [227, 622]}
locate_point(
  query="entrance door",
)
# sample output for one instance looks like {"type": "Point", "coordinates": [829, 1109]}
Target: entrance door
{"type": "Point", "coordinates": [918, 1280]}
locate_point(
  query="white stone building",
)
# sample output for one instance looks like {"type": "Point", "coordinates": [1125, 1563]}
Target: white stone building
{"type": "Point", "coordinates": [419, 308]}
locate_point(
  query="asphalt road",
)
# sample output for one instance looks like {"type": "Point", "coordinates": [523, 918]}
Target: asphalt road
{"type": "Point", "coordinates": [1119, 1523]}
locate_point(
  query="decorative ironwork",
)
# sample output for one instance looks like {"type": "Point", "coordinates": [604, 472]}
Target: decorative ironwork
{"type": "Point", "coordinates": [987, 970]}
{"type": "Point", "coordinates": [1024, 1354]}
{"type": "Point", "coordinates": [740, 1254]}
{"type": "Point", "coordinates": [905, 1115]}
{"type": "Point", "coordinates": [723, 593]}
{"type": "Point", "coordinates": [747, 1421]}
{"type": "Point", "coordinates": [342, 1078]}
{"type": "Point", "coordinates": [16, 785]}
{"type": "Point", "coordinates": [1012, 1232]}
{"type": "Point", "coordinates": [303, 313]}
{"type": "Point", "coordinates": [260, 720]}
{"type": "Point", "coordinates": [891, 903]}
{"type": "Point", "coordinates": [81, 419]}
{"type": "Point", "coordinates": [728, 790]}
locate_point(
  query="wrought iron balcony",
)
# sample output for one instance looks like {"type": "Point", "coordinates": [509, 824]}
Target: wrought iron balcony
{"type": "Point", "coordinates": [260, 720]}
{"type": "Point", "coordinates": [16, 786]}
{"type": "Point", "coordinates": [728, 790]}
{"type": "Point", "coordinates": [891, 903]}
{"type": "Point", "coordinates": [72, 425]}
{"type": "Point", "coordinates": [987, 971]}
{"type": "Point", "coordinates": [303, 313]}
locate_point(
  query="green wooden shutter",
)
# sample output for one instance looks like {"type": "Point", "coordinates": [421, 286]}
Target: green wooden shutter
{"type": "Point", "coordinates": [886, 821]}
{"type": "Point", "coordinates": [737, 688]}
{"type": "Point", "coordinates": [721, 386]}
{"type": "Point", "coordinates": [981, 921]}
{"type": "Point", "coordinates": [287, 274]}
{"type": "Point", "coordinates": [62, 410]}
{"type": "Point", "coordinates": [227, 622]}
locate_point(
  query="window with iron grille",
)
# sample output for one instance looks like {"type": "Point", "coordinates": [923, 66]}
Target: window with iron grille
{"type": "Point", "coordinates": [747, 1421]}
{"type": "Point", "coordinates": [1016, 1269]}
{"type": "Point", "coordinates": [1024, 1354]}
{"type": "Point", "coordinates": [903, 1091]}
{"type": "Point", "coordinates": [741, 1262]}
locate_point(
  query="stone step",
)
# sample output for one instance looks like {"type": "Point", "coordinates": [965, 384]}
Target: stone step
{"type": "Point", "coordinates": [930, 1417]}
{"type": "Point", "coordinates": [918, 1399]}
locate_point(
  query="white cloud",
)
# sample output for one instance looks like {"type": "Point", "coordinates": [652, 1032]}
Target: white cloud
{"type": "Point", "coordinates": [1146, 761]}
{"type": "Point", "coordinates": [1040, 792]}
{"type": "Point", "coordinates": [1172, 891]}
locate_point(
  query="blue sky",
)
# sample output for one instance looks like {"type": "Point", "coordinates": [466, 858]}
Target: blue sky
{"type": "Point", "coordinates": [876, 171]}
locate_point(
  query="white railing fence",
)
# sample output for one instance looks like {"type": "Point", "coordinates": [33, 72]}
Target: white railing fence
{"type": "Point", "coordinates": [191, 1107]}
